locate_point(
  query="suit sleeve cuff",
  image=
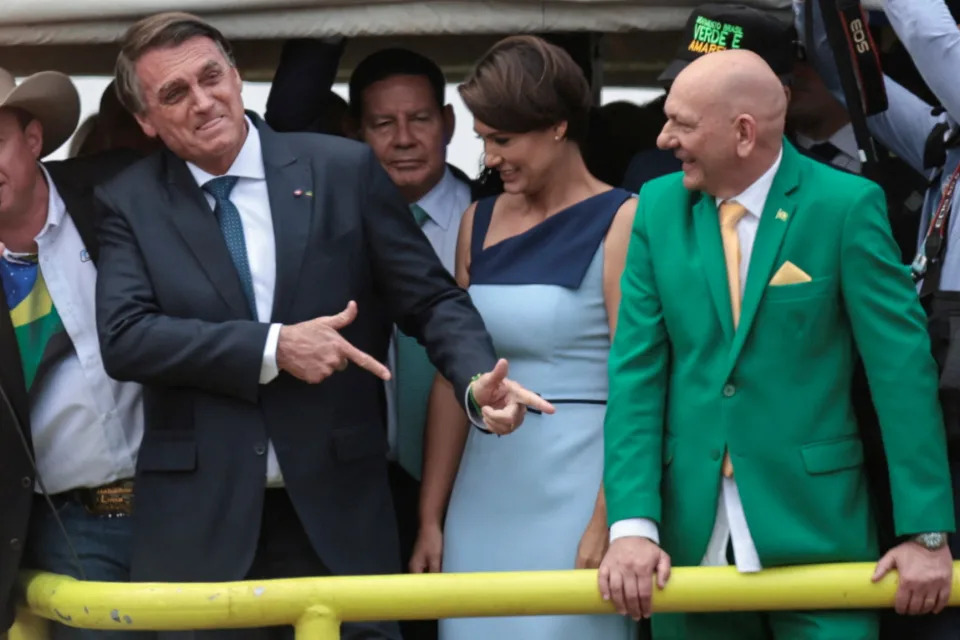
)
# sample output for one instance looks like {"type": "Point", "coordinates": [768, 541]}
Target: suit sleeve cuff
{"type": "Point", "coordinates": [475, 418]}
{"type": "Point", "coordinates": [635, 527]}
{"type": "Point", "coordinates": [269, 369]}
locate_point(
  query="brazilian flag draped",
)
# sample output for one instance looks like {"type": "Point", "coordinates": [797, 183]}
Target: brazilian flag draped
{"type": "Point", "coordinates": [35, 319]}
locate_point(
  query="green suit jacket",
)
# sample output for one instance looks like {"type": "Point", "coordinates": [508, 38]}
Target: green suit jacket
{"type": "Point", "coordinates": [684, 385]}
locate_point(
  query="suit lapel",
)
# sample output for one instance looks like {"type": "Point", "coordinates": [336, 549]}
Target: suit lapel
{"type": "Point", "coordinates": [707, 227]}
{"type": "Point", "coordinates": [293, 198]}
{"type": "Point", "coordinates": [198, 227]}
{"type": "Point", "coordinates": [79, 202]}
{"type": "Point", "coordinates": [778, 212]}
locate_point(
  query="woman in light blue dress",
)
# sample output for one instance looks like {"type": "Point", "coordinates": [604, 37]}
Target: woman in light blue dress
{"type": "Point", "coordinates": [543, 264]}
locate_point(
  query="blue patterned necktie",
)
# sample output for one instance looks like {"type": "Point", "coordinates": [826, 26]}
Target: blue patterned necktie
{"type": "Point", "coordinates": [232, 228]}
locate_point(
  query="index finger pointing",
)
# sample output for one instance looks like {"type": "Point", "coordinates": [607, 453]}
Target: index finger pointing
{"type": "Point", "coordinates": [366, 361]}
{"type": "Point", "coordinates": [530, 399]}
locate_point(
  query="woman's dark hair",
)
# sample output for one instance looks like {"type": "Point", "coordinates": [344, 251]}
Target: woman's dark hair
{"type": "Point", "coordinates": [524, 83]}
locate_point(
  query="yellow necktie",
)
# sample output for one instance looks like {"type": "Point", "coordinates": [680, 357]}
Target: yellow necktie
{"type": "Point", "coordinates": [730, 215]}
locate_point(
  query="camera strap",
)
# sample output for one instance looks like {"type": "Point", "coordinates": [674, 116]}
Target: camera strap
{"type": "Point", "coordinates": [927, 264]}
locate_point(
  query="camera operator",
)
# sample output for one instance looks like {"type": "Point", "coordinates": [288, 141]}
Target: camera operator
{"type": "Point", "coordinates": [925, 138]}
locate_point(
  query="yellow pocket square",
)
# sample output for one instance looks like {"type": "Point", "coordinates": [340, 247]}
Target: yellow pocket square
{"type": "Point", "coordinates": [789, 273]}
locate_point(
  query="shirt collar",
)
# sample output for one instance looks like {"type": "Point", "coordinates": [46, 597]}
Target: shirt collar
{"type": "Point", "coordinates": [846, 141]}
{"type": "Point", "coordinates": [843, 139]}
{"type": "Point", "coordinates": [56, 210]}
{"type": "Point", "coordinates": [754, 197]}
{"type": "Point", "coordinates": [438, 202]}
{"type": "Point", "coordinates": [248, 163]}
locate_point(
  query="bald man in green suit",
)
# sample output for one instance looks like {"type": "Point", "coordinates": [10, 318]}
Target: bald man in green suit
{"type": "Point", "coordinates": [754, 278]}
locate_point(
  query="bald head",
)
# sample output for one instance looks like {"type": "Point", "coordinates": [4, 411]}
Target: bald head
{"type": "Point", "coordinates": [740, 82]}
{"type": "Point", "coordinates": [735, 107]}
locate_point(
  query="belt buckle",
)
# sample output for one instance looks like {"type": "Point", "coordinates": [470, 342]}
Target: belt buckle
{"type": "Point", "coordinates": [114, 500]}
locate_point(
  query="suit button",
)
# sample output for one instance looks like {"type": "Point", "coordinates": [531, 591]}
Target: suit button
{"type": "Point", "coordinates": [15, 544]}
{"type": "Point", "coordinates": [259, 448]}
{"type": "Point", "coordinates": [729, 390]}
{"type": "Point", "coordinates": [715, 454]}
{"type": "Point", "coordinates": [26, 482]}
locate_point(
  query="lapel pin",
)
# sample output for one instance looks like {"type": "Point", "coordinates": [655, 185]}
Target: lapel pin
{"type": "Point", "coordinates": [782, 215]}
{"type": "Point", "coordinates": [301, 192]}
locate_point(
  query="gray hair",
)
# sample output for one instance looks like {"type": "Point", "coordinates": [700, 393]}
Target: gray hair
{"type": "Point", "coordinates": [158, 31]}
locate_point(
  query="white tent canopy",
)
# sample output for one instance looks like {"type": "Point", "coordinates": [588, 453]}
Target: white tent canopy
{"type": "Point", "coordinates": [91, 21]}
{"type": "Point", "coordinates": [79, 36]}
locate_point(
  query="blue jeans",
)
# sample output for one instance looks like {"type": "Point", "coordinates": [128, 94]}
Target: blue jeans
{"type": "Point", "coordinates": [102, 545]}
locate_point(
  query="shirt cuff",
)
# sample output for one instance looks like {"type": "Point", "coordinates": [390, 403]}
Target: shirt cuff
{"type": "Point", "coordinates": [269, 369]}
{"type": "Point", "coordinates": [475, 418]}
{"type": "Point", "coordinates": [636, 527]}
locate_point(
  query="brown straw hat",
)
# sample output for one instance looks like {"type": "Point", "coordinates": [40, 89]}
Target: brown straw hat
{"type": "Point", "coordinates": [50, 97]}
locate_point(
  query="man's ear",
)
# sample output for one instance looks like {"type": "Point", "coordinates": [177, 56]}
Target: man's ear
{"type": "Point", "coordinates": [148, 129]}
{"type": "Point", "coordinates": [33, 133]}
{"type": "Point", "coordinates": [746, 130]}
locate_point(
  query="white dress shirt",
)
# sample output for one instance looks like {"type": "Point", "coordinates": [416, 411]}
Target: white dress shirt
{"type": "Point", "coordinates": [730, 525]}
{"type": "Point", "coordinates": [86, 427]}
{"type": "Point", "coordinates": [252, 200]}
{"type": "Point", "coordinates": [445, 205]}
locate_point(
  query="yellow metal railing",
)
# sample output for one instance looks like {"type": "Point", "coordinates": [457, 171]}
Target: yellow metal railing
{"type": "Point", "coordinates": [316, 606]}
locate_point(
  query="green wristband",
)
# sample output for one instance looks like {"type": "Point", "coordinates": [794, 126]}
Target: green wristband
{"type": "Point", "coordinates": [473, 401]}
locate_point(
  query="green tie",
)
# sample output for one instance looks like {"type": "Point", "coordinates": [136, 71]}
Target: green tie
{"type": "Point", "coordinates": [414, 379]}
{"type": "Point", "coordinates": [419, 215]}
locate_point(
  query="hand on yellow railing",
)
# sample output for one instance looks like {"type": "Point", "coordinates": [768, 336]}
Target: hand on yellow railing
{"type": "Point", "coordinates": [925, 577]}
{"type": "Point", "coordinates": [626, 574]}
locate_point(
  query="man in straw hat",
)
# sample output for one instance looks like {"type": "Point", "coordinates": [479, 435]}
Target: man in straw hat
{"type": "Point", "coordinates": [68, 433]}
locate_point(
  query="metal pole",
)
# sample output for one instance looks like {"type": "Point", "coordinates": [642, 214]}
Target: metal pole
{"type": "Point", "coordinates": [318, 623]}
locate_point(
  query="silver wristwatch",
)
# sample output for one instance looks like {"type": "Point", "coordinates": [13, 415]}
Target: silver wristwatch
{"type": "Point", "coordinates": [930, 541]}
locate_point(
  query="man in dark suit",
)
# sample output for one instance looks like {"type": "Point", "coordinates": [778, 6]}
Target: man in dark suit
{"type": "Point", "coordinates": [250, 282]}
{"type": "Point", "coordinates": [66, 429]}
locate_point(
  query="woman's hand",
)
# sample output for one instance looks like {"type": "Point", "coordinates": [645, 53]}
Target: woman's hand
{"type": "Point", "coordinates": [593, 544]}
{"type": "Point", "coordinates": [428, 550]}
